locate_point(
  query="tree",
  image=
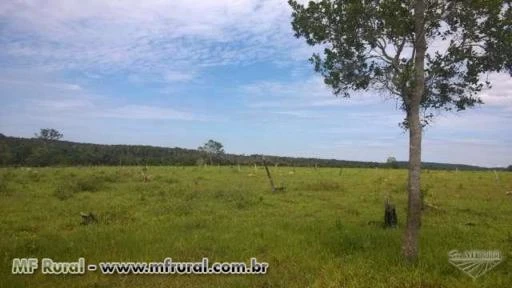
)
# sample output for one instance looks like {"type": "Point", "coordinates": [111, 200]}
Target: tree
{"type": "Point", "coordinates": [212, 148]}
{"type": "Point", "coordinates": [391, 162]}
{"type": "Point", "coordinates": [382, 45]}
{"type": "Point", "coordinates": [49, 134]}
{"type": "Point", "coordinates": [391, 159]}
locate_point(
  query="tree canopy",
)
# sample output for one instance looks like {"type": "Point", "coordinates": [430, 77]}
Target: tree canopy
{"type": "Point", "coordinates": [212, 147]}
{"type": "Point", "coordinates": [370, 45]}
{"type": "Point", "coordinates": [49, 134]}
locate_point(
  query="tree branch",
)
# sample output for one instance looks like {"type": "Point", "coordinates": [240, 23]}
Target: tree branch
{"type": "Point", "coordinates": [382, 48]}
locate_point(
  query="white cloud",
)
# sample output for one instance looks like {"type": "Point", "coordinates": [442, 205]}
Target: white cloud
{"type": "Point", "coordinates": [178, 76]}
{"type": "Point", "coordinates": [140, 36]}
{"type": "Point", "coordinates": [485, 120]}
{"type": "Point", "coordinates": [296, 96]}
{"type": "Point", "coordinates": [86, 107]}
{"type": "Point", "coordinates": [57, 85]}
{"type": "Point", "coordinates": [144, 112]}
{"type": "Point", "coordinates": [311, 92]}
{"type": "Point", "coordinates": [471, 151]}
{"type": "Point", "coordinates": [500, 94]}
{"type": "Point", "coordinates": [63, 104]}
{"type": "Point", "coordinates": [305, 114]}
{"type": "Point", "coordinates": [40, 98]}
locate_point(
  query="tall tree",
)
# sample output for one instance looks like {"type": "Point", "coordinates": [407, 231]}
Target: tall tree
{"type": "Point", "coordinates": [383, 45]}
{"type": "Point", "coordinates": [212, 148]}
{"type": "Point", "coordinates": [391, 162]}
{"type": "Point", "coordinates": [49, 134]}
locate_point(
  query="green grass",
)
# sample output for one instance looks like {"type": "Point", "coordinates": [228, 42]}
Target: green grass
{"type": "Point", "coordinates": [320, 232]}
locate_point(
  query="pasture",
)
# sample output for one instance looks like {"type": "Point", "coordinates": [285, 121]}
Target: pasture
{"type": "Point", "coordinates": [322, 231]}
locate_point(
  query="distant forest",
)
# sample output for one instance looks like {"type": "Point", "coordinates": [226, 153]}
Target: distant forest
{"type": "Point", "coordinates": [39, 152]}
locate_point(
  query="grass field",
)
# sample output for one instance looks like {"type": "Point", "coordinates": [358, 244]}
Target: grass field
{"type": "Point", "coordinates": [322, 231]}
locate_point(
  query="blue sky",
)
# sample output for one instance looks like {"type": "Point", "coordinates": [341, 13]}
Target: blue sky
{"type": "Point", "coordinates": [177, 73]}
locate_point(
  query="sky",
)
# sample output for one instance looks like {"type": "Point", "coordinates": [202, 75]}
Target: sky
{"type": "Point", "coordinates": [177, 73]}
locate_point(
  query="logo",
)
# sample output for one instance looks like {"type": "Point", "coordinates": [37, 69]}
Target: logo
{"type": "Point", "coordinates": [475, 263]}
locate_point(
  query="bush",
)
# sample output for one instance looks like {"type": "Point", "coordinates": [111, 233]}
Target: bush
{"type": "Point", "coordinates": [67, 189]}
{"type": "Point", "coordinates": [5, 179]}
{"type": "Point", "coordinates": [106, 177]}
{"type": "Point", "coordinates": [63, 192]}
{"type": "Point", "coordinates": [324, 186]}
{"type": "Point", "coordinates": [4, 190]}
{"type": "Point", "coordinates": [87, 184]}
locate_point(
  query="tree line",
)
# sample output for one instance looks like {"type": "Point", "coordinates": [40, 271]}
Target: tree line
{"type": "Point", "coordinates": [40, 152]}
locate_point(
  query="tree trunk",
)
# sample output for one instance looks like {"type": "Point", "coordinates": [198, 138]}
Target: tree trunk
{"type": "Point", "coordinates": [390, 219]}
{"type": "Point", "coordinates": [410, 244]}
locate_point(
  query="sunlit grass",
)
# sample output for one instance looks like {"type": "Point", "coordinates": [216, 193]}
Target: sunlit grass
{"type": "Point", "coordinates": [320, 232]}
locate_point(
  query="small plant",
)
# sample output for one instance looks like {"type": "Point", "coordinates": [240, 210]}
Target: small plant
{"type": "Point", "coordinates": [244, 201]}
{"type": "Point", "coordinates": [171, 180]}
{"type": "Point", "coordinates": [63, 192]}
{"type": "Point", "coordinates": [6, 181]}
{"type": "Point", "coordinates": [423, 191]}
{"type": "Point", "coordinates": [34, 176]}
{"type": "Point", "coordinates": [145, 176]}
{"type": "Point", "coordinates": [68, 188]}
{"type": "Point", "coordinates": [183, 209]}
{"type": "Point", "coordinates": [4, 189]}
{"type": "Point", "coordinates": [338, 224]}
{"type": "Point", "coordinates": [324, 186]}
{"type": "Point", "coordinates": [109, 178]}
{"type": "Point", "coordinates": [427, 198]}
{"type": "Point", "coordinates": [87, 184]}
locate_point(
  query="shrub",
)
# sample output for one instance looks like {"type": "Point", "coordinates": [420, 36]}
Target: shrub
{"type": "Point", "coordinates": [87, 184]}
{"type": "Point", "coordinates": [4, 183]}
{"type": "Point", "coordinates": [68, 188]}
{"type": "Point", "coordinates": [34, 176]}
{"type": "Point", "coordinates": [3, 188]}
{"type": "Point", "coordinates": [324, 186]}
{"type": "Point", "coordinates": [63, 192]}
